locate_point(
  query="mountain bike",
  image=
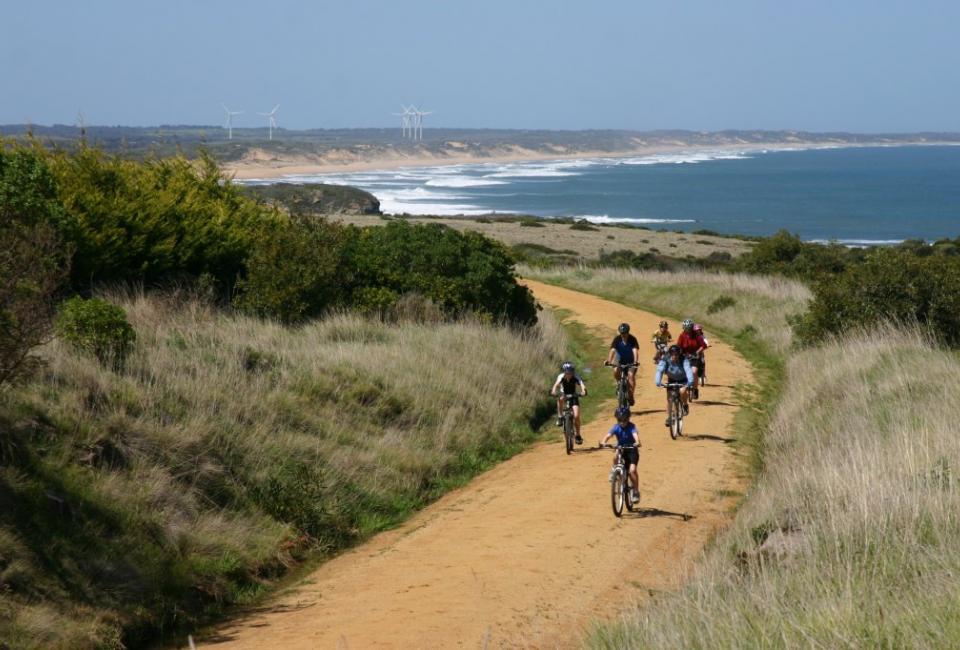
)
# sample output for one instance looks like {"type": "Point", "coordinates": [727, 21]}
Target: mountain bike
{"type": "Point", "coordinates": [621, 491]}
{"type": "Point", "coordinates": [569, 423]}
{"type": "Point", "coordinates": [661, 349]}
{"type": "Point", "coordinates": [675, 410]}
{"type": "Point", "coordinates": [700, 363]}
{"type": "Point", "coordinates": [623, 384]}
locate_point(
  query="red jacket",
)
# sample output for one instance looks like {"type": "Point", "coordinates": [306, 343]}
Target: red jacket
{"type": "Point", "coordinates": [689, 343]}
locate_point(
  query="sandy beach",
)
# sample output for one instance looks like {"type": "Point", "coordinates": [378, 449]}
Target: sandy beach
{"type": "Point", "coordinates": [261, 164]}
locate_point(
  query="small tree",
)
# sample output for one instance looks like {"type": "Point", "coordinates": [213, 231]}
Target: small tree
{"type": "Point", "coordinates": [96, 326]}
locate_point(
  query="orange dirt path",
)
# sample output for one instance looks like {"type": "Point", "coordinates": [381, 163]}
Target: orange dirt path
{"type": "Point", "coordinates": [529, 553]}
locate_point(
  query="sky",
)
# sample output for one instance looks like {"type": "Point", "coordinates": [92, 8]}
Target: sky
{"type": "Point", "coordinates": [850, 65]}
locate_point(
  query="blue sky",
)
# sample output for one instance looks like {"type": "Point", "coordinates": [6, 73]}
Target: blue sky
{"type": "Point", "coordinates": [851, 65]}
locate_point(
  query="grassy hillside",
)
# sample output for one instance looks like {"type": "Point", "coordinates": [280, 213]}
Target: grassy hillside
{"type": "Point", "coordinates": [563, 241]}
{"type": "Point", "coordinates": [850, 536]}
{"type": "Point", "coordinates": [228, 449]}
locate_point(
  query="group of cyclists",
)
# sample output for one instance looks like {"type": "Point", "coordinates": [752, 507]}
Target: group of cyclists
{"type": "Point", "coordinates": [677, 362]}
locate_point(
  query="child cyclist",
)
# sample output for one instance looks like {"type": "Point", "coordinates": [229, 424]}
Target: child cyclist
{"type": "Point", "coordinates": [625, 432]}
{"type": "Point", "coordinates": [568, 381]}
{"type": "Point", "coordinates": [661, 339]}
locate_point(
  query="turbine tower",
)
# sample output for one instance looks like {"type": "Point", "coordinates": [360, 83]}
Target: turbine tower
{"type": "Point", "coordinates": [229, 125]}
{"type": "Point", "coordinates": [418, 127]}
{"type": "Point", "coordinates": [272, 123]}
{"type": "Point", "coordinates": [405, 121]}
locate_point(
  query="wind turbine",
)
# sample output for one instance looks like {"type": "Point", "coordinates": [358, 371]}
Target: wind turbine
{"type": "Point", "coordinates": [418, 133]}
{"type": "Point", "coordinates": [270, 119]}
{"type": "Point", "coordinates": [405, 121]}
{"type": "Point", "coordinates": [229, 125]}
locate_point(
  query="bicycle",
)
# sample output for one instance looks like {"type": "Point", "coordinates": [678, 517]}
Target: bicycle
{"type": "Point", "coordinates": [661, 349]}
{"type": "Point", "coordinates": [623, 384]}
{"type": "Point", "coordinates": [700, 363]}
{"type": "Point", "coordinates": [621, 492]}
{"type": "Point", "coordinates": [675, 410]}
{"type": "Point", "coordinates": [569, 423]}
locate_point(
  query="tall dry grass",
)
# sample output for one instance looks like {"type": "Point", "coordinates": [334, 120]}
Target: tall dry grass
{"type": "Point", "coordinates": [227, 447]}
{"type": "Point", "coordinates": [851, 535]}
{"type": "Point", "coordinates": [761, 303]}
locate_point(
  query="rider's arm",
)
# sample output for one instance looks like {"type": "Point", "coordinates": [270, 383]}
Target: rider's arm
{"type": "Point", "coordinates": [583, 386]}
{"type": "Point", "coordinates": [688, 370]}
{"type": "Point", "coordinates": [605, 438]}
{"type": "Point", "coordinates": [610, 356]}
{"type": "Point", "coordinates": [553, 391]}
{"type": "Point", "coordinates": [660, 367]}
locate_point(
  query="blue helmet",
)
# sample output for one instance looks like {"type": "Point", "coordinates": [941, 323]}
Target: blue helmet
{"type": "Point", "coordinates": [622, 413]}
{"type": "Point", "coordinates": [567, 367]}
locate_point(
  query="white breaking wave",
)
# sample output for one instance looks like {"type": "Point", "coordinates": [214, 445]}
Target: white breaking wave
{"type": "Point", "coordinates": [593, 218]}
{"type": "Point", "coordinates": [858, 243]}
{"type": "Point", "coordinates": [462, 181]}
{"type": "Point", "coordinates": [685, 157]}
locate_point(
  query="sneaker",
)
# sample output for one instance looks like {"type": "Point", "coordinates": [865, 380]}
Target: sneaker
{"type": "Point", "coordinates": [667, 422]}
{"type": "Point", "coordinates": [636, 496]}
{"type": "Point", "coordinates": [630, 400]}
{"type": "Point", "coordinates": [559, 422]}
{"type": "Point", "coordinates": [696, 393]}
{"type": "Point", "coordinates": [579, 439]}
{"type": "Point", "coordinates": [686, 409]}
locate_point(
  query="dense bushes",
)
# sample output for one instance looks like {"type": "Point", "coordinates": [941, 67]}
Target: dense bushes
{"type": "Point", "coordinates": [155, 220]}
{"type": "Point", "coordinates": [890, 284]}
{"type": "Point", "coordinates": [308, 266]}
{"type": "Point", "coordinates": [96, 326]}
{"type": "Point", "coordinates": [170, 220]}
{"type": "Point", "coordinates": [33, 259]}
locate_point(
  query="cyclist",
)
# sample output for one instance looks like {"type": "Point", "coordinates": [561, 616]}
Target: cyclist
{"type": "Point", "coordinates": [677, 369]}
{"type": "Point", "coordinates": [568, 381]}
{"type": "Point", "coordinates": [625, 432]}
{"type": "Point", "coordinates": [626, 347]}
{"type": "Point", "coordinates": [661, 339]}
{"type": "Point", "coordinates": [699, 362]}
{"type": "Point", "coordinates": [691, 344]}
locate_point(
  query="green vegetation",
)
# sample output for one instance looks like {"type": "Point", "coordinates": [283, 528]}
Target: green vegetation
{"type": "Point", "coordinates": [850, 536]}
{"type": "Point", "coordinates": [171, 454]}
{"type": "Point", "coordinates": [315, 198]}
{"type": "Point", "coordinates": [229, 448]}
{"type": "Point", "coordinates": [97, 327]}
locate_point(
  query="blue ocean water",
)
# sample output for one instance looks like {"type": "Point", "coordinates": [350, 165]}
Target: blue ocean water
{"type": "Point", "coordinates": [852, 195]}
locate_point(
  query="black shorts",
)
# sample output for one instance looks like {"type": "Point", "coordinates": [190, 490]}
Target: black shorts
{"type": "Point", "coordinates": [572, 400]}
{"type": "Point", "coordinates": [630, 457]}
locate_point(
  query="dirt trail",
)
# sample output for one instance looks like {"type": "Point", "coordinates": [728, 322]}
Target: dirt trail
{"type": "Point", "coordinates": [528, 553]}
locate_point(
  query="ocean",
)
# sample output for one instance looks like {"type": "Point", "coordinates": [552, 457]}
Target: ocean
{"type": "Point", "coordinates": [853, 195]}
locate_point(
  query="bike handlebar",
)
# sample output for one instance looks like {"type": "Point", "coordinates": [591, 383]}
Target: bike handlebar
{"type": "Point", "coordinates": [619, 447]}
{"type": "Point", "coordinates": [674, 384]}
{"type": "Point", "coordinates": [621, 365]}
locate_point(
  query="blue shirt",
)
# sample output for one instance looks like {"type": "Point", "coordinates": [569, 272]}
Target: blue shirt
{"type": "Point", "coordinates": [625, 349]}
{"type": "Point", "coordinates": [675, 372]}
{"type": "Point", "coordinates": [624, 434]}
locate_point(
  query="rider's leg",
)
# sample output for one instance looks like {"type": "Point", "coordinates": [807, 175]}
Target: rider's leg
{"type": "Point", "coordinates": [616, 375]}
{"type": "Point", "coordinates": [634, 478]}
{"type": "Point", "coordinates": [632, 382]}
{"type": "Point", "coordinates": [576, 418]}
{"type": "Point", "coordinates": [560, 407]}
{"type": "Point", "coordinates": [694, 370]}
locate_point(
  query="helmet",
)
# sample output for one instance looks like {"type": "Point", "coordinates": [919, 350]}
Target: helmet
{"type": "Point", "coordinates": [664, 324]}
{"type": "Point", "coordinates": [674, 349]}
{"type": "Point", "coordinates": [698, 329]}
{"type": "Point", "coordinates": [624, 328]}
{"type": "Point", "coordinates": [567, 367]}
{"type": "Point", "coordinates": [687, 324]}
{"type": "Point", "coordinates": [622, 413]}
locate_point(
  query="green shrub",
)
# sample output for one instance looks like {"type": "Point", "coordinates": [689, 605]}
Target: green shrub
{"type": "Point", "coordinates": [583, 225]}
{"type": "Point", "coordinates": [531, 223]}
{"type": "Point", "coordinates": [33, 259]}
{"type": "Point", "coordinates": [721, 303]}
{"type": "Point", "coordinates": [295, 271]}
{"type": "Point", "coordinates": [890, 285]}
{"type": "Point", "coordinates": [96, 326]}
{"type": "Point", "coordinates": [154, 221]}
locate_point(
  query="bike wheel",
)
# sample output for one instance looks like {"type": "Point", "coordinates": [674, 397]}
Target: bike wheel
{"type": "Point", "coordinates": [616, 491]}
{"type": "Point", "coordinates": [676, 419]}
{"type": "Point", "coordinates": [627, 496]}
{"type": "Point", "coordinates": [623, 395]}
{"type": "Point", "coordinates": [568, 433]}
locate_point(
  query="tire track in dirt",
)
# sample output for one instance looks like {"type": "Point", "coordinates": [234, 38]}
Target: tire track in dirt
{"type": "Point", "coordinates": [529, 553]}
